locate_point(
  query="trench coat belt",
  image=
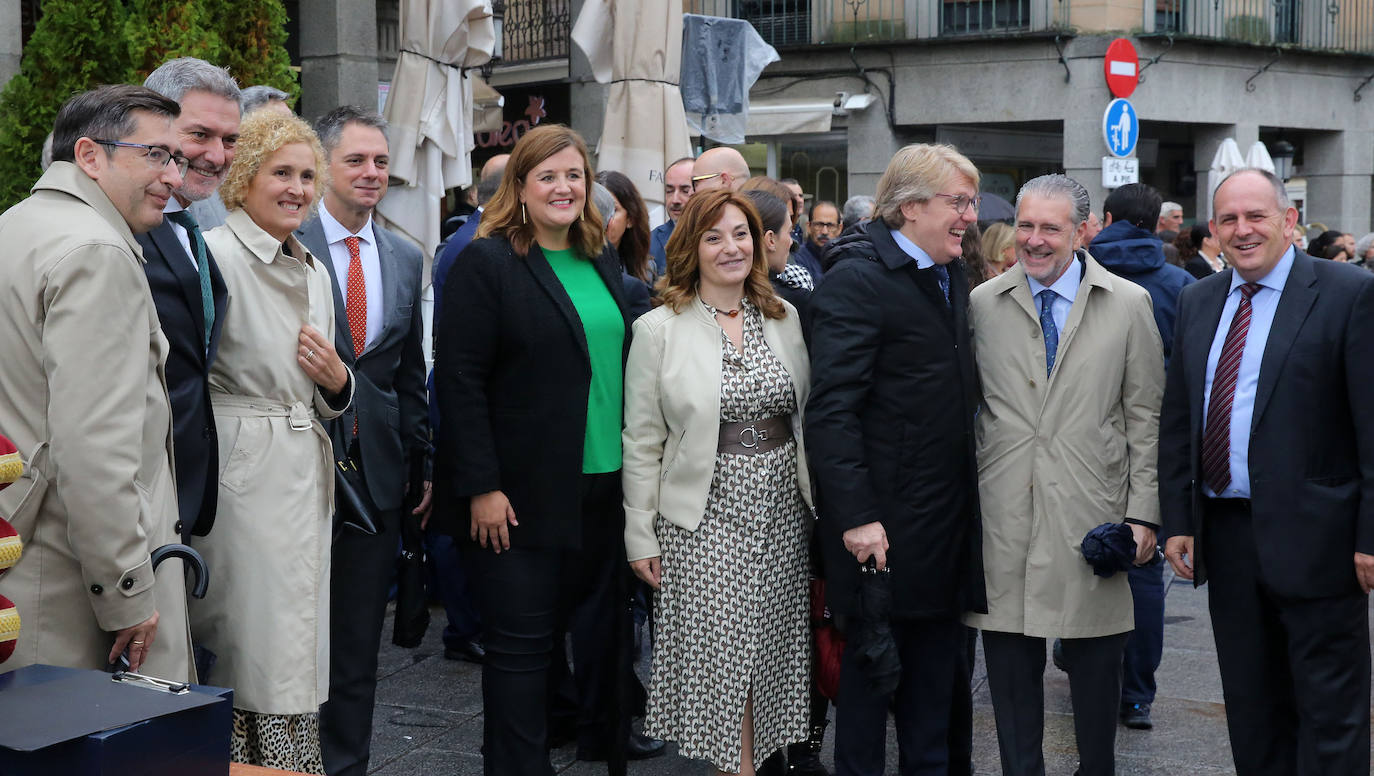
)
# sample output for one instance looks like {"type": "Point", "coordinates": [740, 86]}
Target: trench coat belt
{"type": "Point", "coordinates": [301, 416]}
{"type": "Point", "coordinates": [749, 437]}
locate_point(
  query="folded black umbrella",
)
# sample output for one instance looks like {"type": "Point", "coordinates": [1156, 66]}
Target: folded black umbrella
{"type": "Point", "coordinates": [1109, 548]}
{"type": "Point", "coordinates": [875, 650]}
{"type": "Point", "coordinates": [412, 611]}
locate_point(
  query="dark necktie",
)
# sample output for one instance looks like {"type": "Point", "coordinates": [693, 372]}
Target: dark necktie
{"type": "Point", "coordinates": [197, 240]}
{"type": "Point", "coordinates": [1048, 328]}
{"type": "Point", "coordinates": [1216, 435]}
{"type": "Point", "coordinates": [942, 276]}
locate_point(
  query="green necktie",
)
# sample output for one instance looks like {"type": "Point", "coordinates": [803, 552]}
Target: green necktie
{"type": "Point", "coordinates": [207, 299]}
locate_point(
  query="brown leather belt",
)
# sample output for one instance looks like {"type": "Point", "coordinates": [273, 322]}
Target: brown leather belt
{"type": "Point", "coordinates": [754, 436]}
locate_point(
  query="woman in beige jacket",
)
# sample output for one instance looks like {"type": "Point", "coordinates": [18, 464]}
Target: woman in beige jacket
{"type": "Point", "coordinates": [717, 495]}
{"type": "Point", "coordinates": [277, 376]}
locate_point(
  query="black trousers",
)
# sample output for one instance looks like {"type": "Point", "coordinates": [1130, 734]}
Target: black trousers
{"type": "Point", "coordinates": [934, 670]}
{"type": "Point", "coordinates": [1016, 682]}
{"type": "Point", "coordinates": [362, 568]}
{"type": "Point", "coordinates": [1295, 672]}
{"type": "Point", "coordinates": [528, 598]}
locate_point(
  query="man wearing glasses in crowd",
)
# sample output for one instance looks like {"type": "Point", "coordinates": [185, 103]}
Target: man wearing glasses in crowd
{"type": "Point", "coordinates": [721, 167]}
{"type": "Point", "coordinates": [81, 394]}
{"type": "Point", "coordinates": [822, 226]}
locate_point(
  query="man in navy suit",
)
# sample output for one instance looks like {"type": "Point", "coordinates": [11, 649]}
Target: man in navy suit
{"type": "Point", "coordinates": [376, 280]}
{"type": "Point", "coordinates": [186, 284]}
{"type": "Point", "coordinates": [1266, 483]}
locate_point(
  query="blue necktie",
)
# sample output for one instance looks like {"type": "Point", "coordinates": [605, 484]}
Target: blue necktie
{"type": "Point", "coordinates": [1048, 328]}
{"type": "Point", "coordinates": [207, 299]}
{"type": "Point", "coordinates": [942, 275]}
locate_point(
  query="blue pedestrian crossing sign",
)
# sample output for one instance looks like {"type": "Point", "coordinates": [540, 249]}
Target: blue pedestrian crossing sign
{"type": "Point", "coordinates": [1121, 127]}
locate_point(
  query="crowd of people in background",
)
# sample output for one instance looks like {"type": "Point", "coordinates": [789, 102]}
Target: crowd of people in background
{"type": "Point", "coordinates": [706, 430]}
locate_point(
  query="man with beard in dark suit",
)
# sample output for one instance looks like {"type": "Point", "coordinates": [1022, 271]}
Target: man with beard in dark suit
{"type": "Point", "coordinates": [186, 284]}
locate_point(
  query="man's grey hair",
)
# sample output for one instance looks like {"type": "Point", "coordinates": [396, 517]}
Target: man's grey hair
{"type": "Point", "coordinates": [1062, 187]}
{"type": "Point", "coordinates": [1280, 191]}
{"type": "Point", "coordinates": [488, 185]}
{"type": "Point", "coordinates": [856, 209]}
{"type": "Point", "coordinates": [915, 174]}
{"type": "Point", "coordinates": [1169, 207]}
{"type": "Point", "coordinates": [604, 201]}
{"type": "Point", "coordinates": [174, 78]}
{"type": "Point", "coordinates": [331, 125]}
{"type": "Point", "coordinates": [1363, 244]}
{"type": "Point", "coordinates": [255, 97]}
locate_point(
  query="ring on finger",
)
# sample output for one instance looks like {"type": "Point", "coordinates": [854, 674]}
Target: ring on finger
{"type": "Point", "coordinates": [310, 354]}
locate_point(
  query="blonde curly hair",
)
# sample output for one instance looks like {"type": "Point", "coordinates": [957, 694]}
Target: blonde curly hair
{"type": "Point", "coordinates": [261, 135]}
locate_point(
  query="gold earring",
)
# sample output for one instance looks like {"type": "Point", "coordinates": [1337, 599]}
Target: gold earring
{"type": "Point", "coordinates": [522, 213]}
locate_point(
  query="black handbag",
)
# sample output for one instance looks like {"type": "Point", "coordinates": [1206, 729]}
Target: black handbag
{"type": "Point", "coordinates": [412, 609]}
{"type": "Point", "coordinates": [353, 507]}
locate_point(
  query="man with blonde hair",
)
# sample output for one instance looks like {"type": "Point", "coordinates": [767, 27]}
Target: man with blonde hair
{"type": "Point", "coordinates": [889, 427]}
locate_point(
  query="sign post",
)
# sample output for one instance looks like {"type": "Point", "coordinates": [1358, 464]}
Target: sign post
{"type": "Point", "coordinates": [1121, 66]}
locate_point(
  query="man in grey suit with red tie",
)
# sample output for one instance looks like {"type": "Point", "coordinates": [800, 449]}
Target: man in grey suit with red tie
{"type": "Point", "coordinates": [186, 284]}
{"type": "Point", "coordinates": [1266, 483]}
{"type": "Point", "coordinates": [376, 279]}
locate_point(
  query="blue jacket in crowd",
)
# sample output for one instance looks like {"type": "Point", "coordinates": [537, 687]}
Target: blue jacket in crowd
{"type": "Point", "coordinates": [1137, 255]}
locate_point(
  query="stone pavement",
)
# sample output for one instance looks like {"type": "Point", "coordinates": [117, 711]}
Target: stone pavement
{"type": "Point", "coordinates": [429, 712]}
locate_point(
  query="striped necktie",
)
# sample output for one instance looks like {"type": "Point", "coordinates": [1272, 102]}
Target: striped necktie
{"type": "Point", "coordinates": [1216, 435]}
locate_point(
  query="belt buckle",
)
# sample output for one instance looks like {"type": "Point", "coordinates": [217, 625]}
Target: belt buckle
{"type": "Point", "coordinates": [300, 417]}
{"type": "Point", "coordinates": [755, 438]}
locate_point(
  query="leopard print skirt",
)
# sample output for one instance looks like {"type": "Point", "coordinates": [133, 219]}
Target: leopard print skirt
{"type": "Point", "coordinates": [286, 742]}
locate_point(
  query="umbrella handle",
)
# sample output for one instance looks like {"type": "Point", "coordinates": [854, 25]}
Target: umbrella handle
{"type": "Point", "coordinates": [190, 557]}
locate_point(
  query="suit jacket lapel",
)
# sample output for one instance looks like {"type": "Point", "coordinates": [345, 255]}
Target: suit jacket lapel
{"type": "Point", "coordinates": [312, 237]}
{"type": "Point", "coordinates": [1299, 294]}
{"type": "Point", "coordinates": [1197, 344]}
{"type": "Point", "coordinates": [386, 258]}
{"type": "Point", "coordinates": [547, 280]}
{"type": "Point", "coordinates": [183, 268]}
{"type": "Point", "coordinates": [219, 292]}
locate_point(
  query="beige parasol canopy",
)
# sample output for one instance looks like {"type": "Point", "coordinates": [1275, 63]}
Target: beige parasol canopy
{"type": "Point", "coordinates": [636, 47]}
{"type": "Point", "coordinates": [430, 109]}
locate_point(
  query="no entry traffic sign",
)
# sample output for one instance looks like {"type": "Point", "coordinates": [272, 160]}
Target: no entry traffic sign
{"type": "Point", "coordinates": [1121, 68]}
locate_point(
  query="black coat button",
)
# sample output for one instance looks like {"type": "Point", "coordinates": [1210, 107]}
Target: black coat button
{"type": "Point", "coordinates": [177, 527]}
{"type": "Point", "coordinates": [127, 583]}
{"type": "Point", "coordinates": [97, 589]}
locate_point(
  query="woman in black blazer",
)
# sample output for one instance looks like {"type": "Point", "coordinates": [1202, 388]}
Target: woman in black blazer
{"type": "Point", "coordinates": [528, 374]}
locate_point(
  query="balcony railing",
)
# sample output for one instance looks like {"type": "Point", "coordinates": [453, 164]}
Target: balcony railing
{"type": "Point", "coordinates": [784, 23]}
{"type": "Point", "coordinates": [1338, 25]}
{"type": "Point", "coordinates": [535, 30]}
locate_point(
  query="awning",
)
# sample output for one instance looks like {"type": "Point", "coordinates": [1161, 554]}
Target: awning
{"type": "Point", "coordinates": [486, 106]}
{"type": "Point", "coordinates": [787, 117]}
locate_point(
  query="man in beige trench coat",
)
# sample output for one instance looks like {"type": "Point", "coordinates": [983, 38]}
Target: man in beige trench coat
{"type": "Point", "coordinates": [1072, 375]}
{"type": "Point", "coordinates": [82, 394]}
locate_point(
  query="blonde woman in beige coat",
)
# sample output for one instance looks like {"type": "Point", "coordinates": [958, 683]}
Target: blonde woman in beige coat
{"type": "Point", "coordinates": [277, 377]}
{"type": "Point", "coordinates": [83, 396]}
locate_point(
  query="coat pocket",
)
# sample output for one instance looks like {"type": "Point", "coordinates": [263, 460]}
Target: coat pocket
{"type": "Point", "coordinates": [239, 453]}
{"type": "Point", "coordinates": [19, 502]}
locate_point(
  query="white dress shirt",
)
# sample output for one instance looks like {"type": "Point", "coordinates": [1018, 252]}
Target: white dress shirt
{"type": "Point", "coordinates": [173, 206]}
{"type": "Point", "coordinates": [335, 233]}
{"type": "Point", "coordinates": [1262, 307]}
{"type": "Point", "coordinates": [1066, 288]}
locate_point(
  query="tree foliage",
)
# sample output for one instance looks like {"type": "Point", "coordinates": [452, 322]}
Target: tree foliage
{"type": "Point", "coordinates": [71, 50]}
{"type": "Point", "coordinates": [159, 30]}
{"type": "Point", "coordinates": [252, 36]}
{"type": "Point", "coordinates": [79, 44]}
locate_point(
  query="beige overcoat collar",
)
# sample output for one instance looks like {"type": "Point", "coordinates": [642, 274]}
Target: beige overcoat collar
{"type": "Point", "coordinates": [67, 178]}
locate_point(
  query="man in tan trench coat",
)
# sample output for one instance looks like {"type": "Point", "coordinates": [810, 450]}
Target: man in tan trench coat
{"type": "Point", "coordinates": [82, 394]}
{"type": "Point", "coordinates": [1072, 375]}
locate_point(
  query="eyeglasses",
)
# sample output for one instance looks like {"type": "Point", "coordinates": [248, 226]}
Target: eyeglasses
{"type": "Point", "coordinates": [828, 226]}
{"type": "Point", "coordinates": [157, 156]}
{"type": "Point", "coordinates": [699, 178]}
{"type": "Point", "coordinates": [962, 201]}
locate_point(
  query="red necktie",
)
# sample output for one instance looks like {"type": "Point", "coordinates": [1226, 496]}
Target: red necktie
{"type": "Point", "coordinates": [355, 304]}
{"type": "Point", "coordinates": [1216, 435]}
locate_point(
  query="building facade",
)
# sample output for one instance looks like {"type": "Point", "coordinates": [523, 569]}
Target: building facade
{"type": "Point", "coordinates": [1017, 85]}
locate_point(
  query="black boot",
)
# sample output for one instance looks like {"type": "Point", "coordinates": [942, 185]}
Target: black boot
{"type": "Point", "coordinates": [775, 765]}
{"type": "Point", "coordinates": [804, 759]}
